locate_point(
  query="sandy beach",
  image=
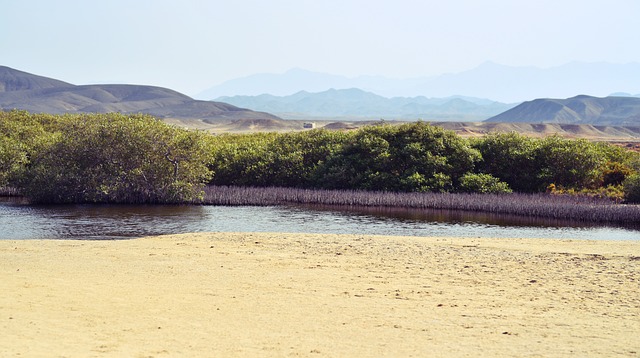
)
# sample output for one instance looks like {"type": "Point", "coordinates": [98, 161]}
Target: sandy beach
{"type": "Point", "coordinates": [280, 295]}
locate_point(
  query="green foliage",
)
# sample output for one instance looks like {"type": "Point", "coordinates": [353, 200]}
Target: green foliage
{"type": "Point", "coordinates": [117, 159]}
{"type": "Point", "coordinates": [531, 165]}
{"type": "Point", "coordinates": [511, 157]}
{"type": "Point", "coordinates": [12, 159]}
{"type": "Point", "coordinates": [410, 157]}
{"type": "Point", "coordinates": [137, 159]}
{"type": "Point", "coordinates": [270, 159]}
{"type": "Point", "coordinates": [570, 163]}
{"type": "Point", "coordinates": [612, 192]}
{"type": "Point", "coordinates": [482, 183]}
{"type": "Point", "coordinates": [417, 157]}
{"type": "Point", "coordinates": [631, 187]}
{"type": "Point", "coordinates": [618, 154]}
{"type": "Point", "coordinates": [614, 173]}
{"type": "Point", "coordinates": [359, 164]}
{"type": "Point", "coordinates": [19, 136]}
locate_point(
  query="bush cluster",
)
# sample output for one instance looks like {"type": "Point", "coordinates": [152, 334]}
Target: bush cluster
{"type": "Point", "coordinates": [101, 158]}
{"type": "Point", "coordinates": [413, 157]}
{"type": "Point", "coordinates": [418, 157]}
{"type": "Point", "coordinates": [115, 158]}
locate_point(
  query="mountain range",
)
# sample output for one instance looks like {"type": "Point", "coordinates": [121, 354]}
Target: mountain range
{"type": "Point", "coordinates": [22, 90]}
{"type": "Point", "coordinates": [507, 84]}
{"type": "Point", "coordinates": [608, 111]}
{"type": "Point", "coordinates": [354, 104]}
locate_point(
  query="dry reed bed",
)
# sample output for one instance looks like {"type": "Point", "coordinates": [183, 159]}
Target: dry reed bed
{"type": "Point", "coordinates": [9, 191]}
{"type": "Point", "coordinates": [537, 205]}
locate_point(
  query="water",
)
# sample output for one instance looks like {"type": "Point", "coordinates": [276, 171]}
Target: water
{"type": "Point", "coordinates": [19, 221]}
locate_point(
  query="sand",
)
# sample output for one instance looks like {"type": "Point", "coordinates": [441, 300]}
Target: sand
{"type": "Point", "coordinates": [280, 295]}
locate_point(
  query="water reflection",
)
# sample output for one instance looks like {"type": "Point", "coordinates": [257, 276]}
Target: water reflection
{"type": "Point", "coordinates": [470, 224]}
{"type": "Point", "coordinates": [457, 216]}
{"type": "Point", "coordinates": [21, 221]}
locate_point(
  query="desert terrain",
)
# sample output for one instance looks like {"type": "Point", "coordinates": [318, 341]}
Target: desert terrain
{"type": "Point", "coordinates": [466, 129]}
{"type": "Point", "coordinates": [278, 295]}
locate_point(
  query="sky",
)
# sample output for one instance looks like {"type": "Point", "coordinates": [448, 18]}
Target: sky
{"type": "Point", "coordinates": [192, 45]}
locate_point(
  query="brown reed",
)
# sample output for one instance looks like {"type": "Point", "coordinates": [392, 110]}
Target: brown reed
{"type": "Point", "coordinates": [580, 208]}
{"type": "Point", "coordinates": [9, 191]}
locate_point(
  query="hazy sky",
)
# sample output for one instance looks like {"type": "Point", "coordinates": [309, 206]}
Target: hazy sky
{"type": "Point", "coordinates": [191, 45]}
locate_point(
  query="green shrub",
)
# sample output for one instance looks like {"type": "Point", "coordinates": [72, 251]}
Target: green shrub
{"type": "Point", "coordinates": [511, 157]}
{"type": "Point", "coordinates": [138, 159]}
{"type": "Point", "coordinates": [114, 158]}
{"type": "Point", "coordinates": [272, 159]}
{"type": "Point", "coordinates": [482, 183]}
{"type": "Point", "coordinates": [631, 187]}
{"type": "Point", "coordinates": [19, 135]}
{"type": "Point", "coordinates": [409, 157]}
{"type": "Point", "coordinates": [570, 163]}
{"type": "Point", "coordinates": [614, 173]}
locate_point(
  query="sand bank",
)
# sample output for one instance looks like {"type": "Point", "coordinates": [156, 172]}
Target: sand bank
{"type": "Point", "coordinates": [228, 295]}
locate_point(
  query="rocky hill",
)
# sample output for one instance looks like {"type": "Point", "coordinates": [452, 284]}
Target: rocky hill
{"type": "Point", "coordinates": [607, 111]}
{"type": "Point", "coordinates": [21, 90]}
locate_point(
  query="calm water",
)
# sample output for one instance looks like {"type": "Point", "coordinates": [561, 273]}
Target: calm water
{"type": "Point", "coordinates": [19, 221]}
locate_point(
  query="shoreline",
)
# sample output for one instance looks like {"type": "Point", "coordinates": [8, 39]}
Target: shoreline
{"type": "Point", "coordinates": [582, 209]}
{"type": "Point", "coordinates": [319, 295]}
{"type": "Point", "coordinates": [578, 208]}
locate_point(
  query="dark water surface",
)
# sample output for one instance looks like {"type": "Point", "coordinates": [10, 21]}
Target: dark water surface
{"type": "Point", "coordinates": [20, 221]}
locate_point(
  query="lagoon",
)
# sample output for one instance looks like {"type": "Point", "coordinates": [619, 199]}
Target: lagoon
{"type": "Point", "coordinates": [19, 221]}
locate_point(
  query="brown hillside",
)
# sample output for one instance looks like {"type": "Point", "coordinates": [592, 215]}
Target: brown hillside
{"type": "Point", "coordinates": [20, 90]}
{"type": "Point", "coordinates": [608, 111]}
{"type": "Point", "coordinates": [14, 80]}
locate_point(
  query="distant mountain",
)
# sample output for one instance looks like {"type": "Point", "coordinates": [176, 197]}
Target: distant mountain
{"type": "Point", "coordinates": [354, 103]}
{"type": "Point", "coordinates": [21, 90]}
{"type": "Point", "coordinates": [284, 84]}
{"type": "Point", "coordinates": [623, 94]}
{"type": "Point", "coordinates": [608, 111]}
{"type": "Point", "coordinates": [502, 83]}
